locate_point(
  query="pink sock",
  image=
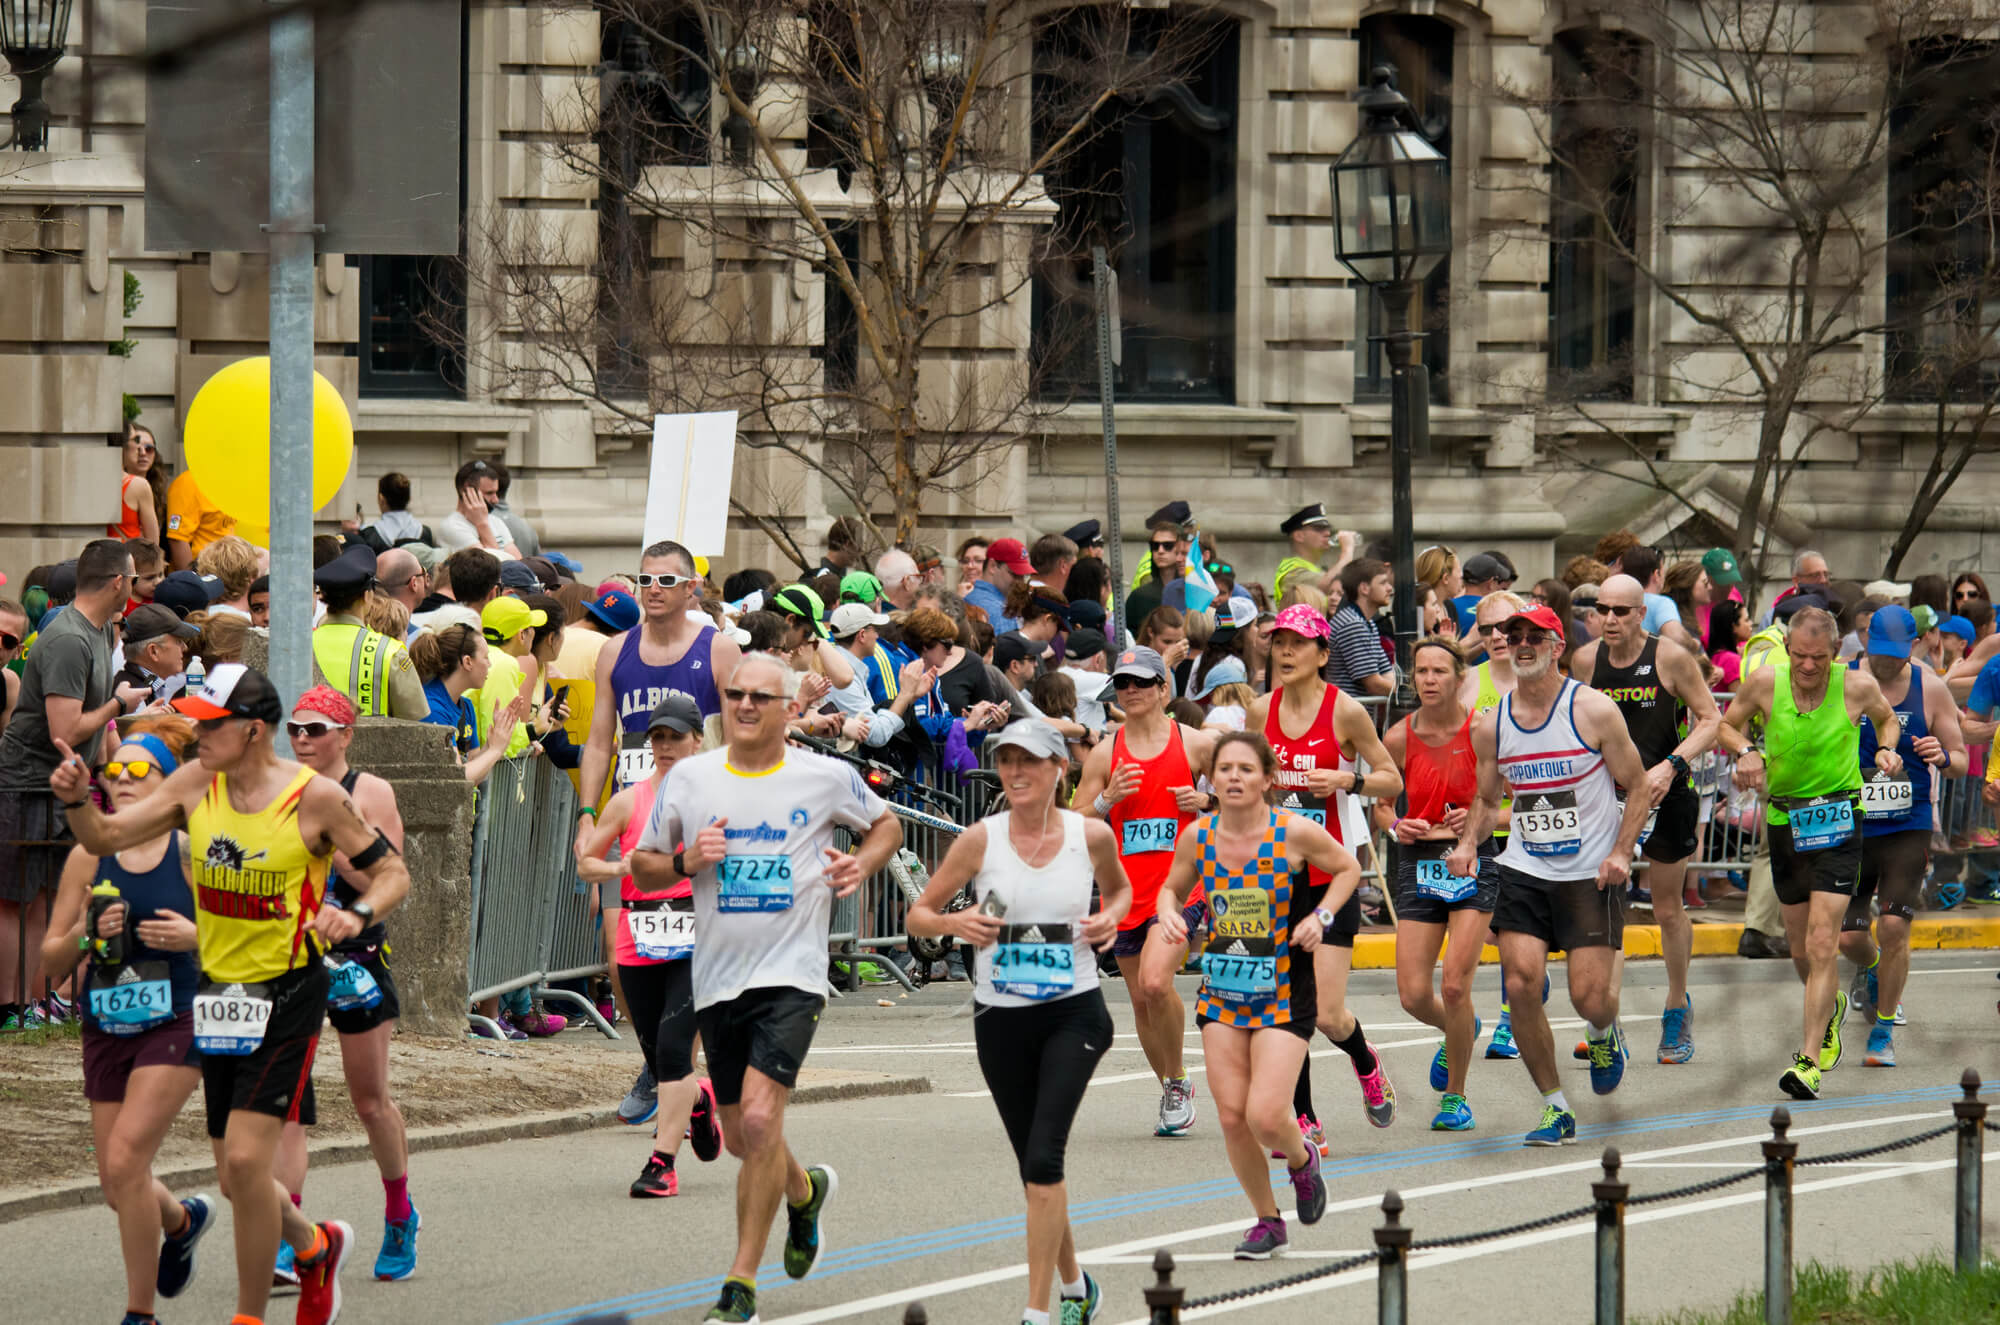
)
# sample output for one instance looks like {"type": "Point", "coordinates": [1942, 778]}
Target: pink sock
{"type": "Point", "coordinates": [299, 1200]}
{"type": "Point", "coordinates": [396, 1198]}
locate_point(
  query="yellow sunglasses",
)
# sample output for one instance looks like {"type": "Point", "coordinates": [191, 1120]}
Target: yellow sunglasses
{"type": "Point", "coordinates": [138, 769]}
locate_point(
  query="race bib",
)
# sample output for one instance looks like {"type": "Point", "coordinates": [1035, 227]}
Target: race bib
{"type": "Point", "coordinates": [1237, 978]}
{"type": "Point", "coordinates": [1885, 797]}
{"type": "Point", "coordinates": [1821, 822]}
{"type": "Point", "coordinates": [1033, 970]}
{"type": "Point", "coordinates": [1242, 918]}
{"type": "Point", "coordinates": [1435, 881]}
{"type": "Point", "coordinates": [1707, 773]}
{"type": "Point", "coordinates": [635, 764]}
{"type": "Point", "coordinates": [138, 998]}
{"type": "Point", "coordinates": [1315, 813]}
{"type": "Point", "coordinates": [666, 935]}
{"type": "Point", "coordinates": [1646, 829]}
{"type": "Point", "coordinates": [1546, 823]}
{"type": "Point", "coordinates": [754, 883]}
{"type": "Point", "coordinates": [231, 1019]}
{"type": "Point", "coordinates": [350, 986]}
{"type": "Point", "coordinates": [1143, 836]}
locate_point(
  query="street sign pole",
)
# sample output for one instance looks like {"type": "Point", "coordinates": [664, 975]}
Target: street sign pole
{"type": "Point", "coordinates": [1104, 283]}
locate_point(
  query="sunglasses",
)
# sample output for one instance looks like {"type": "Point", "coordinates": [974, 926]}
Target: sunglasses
{"type": "Point", "coordinates": [760, 698]}
{"type": "Point", "coordinates": [662, 581]}
{"type": "Point", "coordinates": [137, 769]}
{"type": "Point", "coordinates": [1163, 547]}
{"type": "Point", "coordinates": [1533, 636]}
{"type": "Point", "coordinates": [216, 724]}
{"type": "Point", "coordinates": [1493, 628]}
{"type": "Point", "coordinates": [8, 643]}
{"type": "Point", "coordinates": [299, 731]}
{"type": "Point", "coordinates": [1135, 682]}
{"type": "Point", "coordinates": [1617, 609]}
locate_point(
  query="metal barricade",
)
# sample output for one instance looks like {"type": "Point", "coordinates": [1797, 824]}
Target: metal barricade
{"type": "Point", "coordinates": [872, 916]}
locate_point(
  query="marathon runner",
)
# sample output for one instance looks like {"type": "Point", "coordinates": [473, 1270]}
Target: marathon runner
{"type": "Point", "coordinates": [1257, 1007]}
{"type": "Point", "coordinates": [1433, 748]}
{"type": "Point", "coordinates": [1560, 746]}
{"type": "Point", "coordinates": [1481, 691]}
{"type": "Point", "coordinates": [1142, 783]}
{"type": "Point", "coordinates": [653, 936]}
{"type": "Point", "coordinates": [139, 1059]}
{"type": "Point", "coordinates": [1311, 726]}
{"type": "Point", "coordinates": [1811, 770]}
{"type": "Point", "coordinates": [752, 825]}
{"type": "Point", "coordinates": [1039, 1019]}
{"type": "Point", "coordinates": [1896, 814]}
{"type": "Point", "coordinates": [1657, 684]}
{"type": "Point", "coordinates": [261, 831]}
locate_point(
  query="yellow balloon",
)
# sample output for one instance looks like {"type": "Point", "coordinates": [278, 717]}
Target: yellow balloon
{"type": "Point", "coordinates": [227, 440]}
{"type": "Point", "coordinates": [256, 534]}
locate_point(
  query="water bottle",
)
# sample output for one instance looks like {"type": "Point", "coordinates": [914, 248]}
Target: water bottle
{"type": "Point", "coordinates": [197, 674]}
{"type": "Point", "coordinates": [111, 951]}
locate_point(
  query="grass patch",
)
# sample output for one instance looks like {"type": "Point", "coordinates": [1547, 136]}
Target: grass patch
{"type": "Point", "coordinates": [1923, 1292]}
{"type": "Point", "coordinates": [68, 1030]}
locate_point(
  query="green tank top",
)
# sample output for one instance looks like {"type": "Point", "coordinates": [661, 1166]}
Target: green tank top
{"type": "Point", "coordinates": [1810, 754]}
{"type": "Point", "coordinates": [1487, 697]}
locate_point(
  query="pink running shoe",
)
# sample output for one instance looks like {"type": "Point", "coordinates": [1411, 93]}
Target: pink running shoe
{"type": "Point", "coordinates": [1314, 1134]}
{"type": "Point", "coordinates": [540, 1024]}
{"type": "Point", "coordinates": [1378, 1096]}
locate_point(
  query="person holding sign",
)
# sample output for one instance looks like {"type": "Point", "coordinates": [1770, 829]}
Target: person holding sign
{"type": "Point", "coordinates": [1810, 767]}
{"type": "Point", "coordinates": [1257, 1009]}
{"type": "Point", "coordinates": [261, 831]}
{"type": "Point", "coordinates": [1142, 784]}
{"type": "Point", "coordinates": [653, 936]}
{"type": "Point", "coordinates": [753, 826]}
{"type": "Point", "coordinates": [1038, 1018]}
{"type": "Point", "coordinates": [132, 914]}
{"type": "Point", "coordinates": [1561, 746]}
{"type": "Point", "coordinates": [1896, 822]}
{"type": "Point", "coordinates": [1433, 748]}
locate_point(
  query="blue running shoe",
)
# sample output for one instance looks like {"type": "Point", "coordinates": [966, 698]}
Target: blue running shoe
{"type": "Point", "coordinates": [1453, 1115]}
{"type": "Point", "coordinates": [1881, 1045]}
{"type": "Point", "coordinates": [1558, 1128]}
{"type": "Point", "coordinates": [1083, 1310]}
{"type": "Point", "coordinates": [285, 1273]}
{"type": "Point", "coordinates": [1677, 1033]}
{"type": "Point", "coordinates": [1502, 1043]}
{"type": "Point", "coordinates": [1441, 1067]}
{"type": "Point", "coordinates": [1607, 1061]}
{"type": "Point", "coordinates": [177, 1252]}
{"type": "Point", "coordinates": [398, 1257]}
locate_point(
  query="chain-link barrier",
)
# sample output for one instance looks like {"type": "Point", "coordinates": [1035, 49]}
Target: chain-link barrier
{"type": "Point", "coordinates": [1888, 1147]}
{"type": "Point", "coordinates": [1508, 1231]}
{"type": "Point", "coordinates": [1700, 1188]}
{"type": "Point", "coordinates": [1326, 1271]}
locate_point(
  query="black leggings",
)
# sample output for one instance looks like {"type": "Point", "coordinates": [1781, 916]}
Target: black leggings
{"type": "Point", "coordinates": [1037, 1061]}
{"type": "Point", "coordinates": [661, 999]}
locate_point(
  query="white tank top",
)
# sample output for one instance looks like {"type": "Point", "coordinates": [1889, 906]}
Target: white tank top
{"type": "Point", "coordinates": [1058, 893]}
{"type": "Point", "coordinates": [1565, 808]}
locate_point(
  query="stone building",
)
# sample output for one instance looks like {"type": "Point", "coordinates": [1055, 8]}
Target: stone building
{"type": "Point", "coordinates": [1264, 393]}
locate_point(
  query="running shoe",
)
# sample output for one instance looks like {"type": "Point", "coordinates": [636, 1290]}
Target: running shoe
{"type": "Point", "coordinates": [1083, 1310]}
{"type": "Point", "coordinates": [1881, 1045]}
{"type": "Point", "coordinates": [1829, 1045]}
{"type": "Point", "coordinates": [1558, 1128]}
{"type": "Point", "coordinates": [1453, 1115]}
{"type": "Point", "coordinates": [656, 1179]}
{"type": "Point", "coordinates": [319, 1281]}
{"type": "Point", "coordinates": [1309, 1188]}
{"type": "Point", "coordinates": [1176, 1108]}
{"type": "Point", "coordinates": [1378, 1095]}
{"type": "Point", "coordinates": [642, 1101]}
{"type": "Point", "coordinates": [1502, 1043]}
{"type": "Point", "coordinates": [1677, 1034]}
{"type": "Point", "coordinates": [1263, 1240]}
{"type": "Point", "coordinates": [508, 1031]}
{"type": "Point", "coordinates": [1801, 1079]}
{"type": "Point", "coordinates": [1900, 1019]}
{"type": "Point", "coordinates": [540, 1024]}
{"type": "Point", "coordinates": [705, 1124]}
{"type": "Point", "coordinates": [56, 1010]}
{"type": "Point", "coordinates": [1607, 1061]}
{"type": "Point", "coordinates": [397, 1260]}
{"type": "Point", "coordinates": [1863, 991]}
{"type": "Point", "coordinates": [803, 1243]}
{"type": "Point", "coordinates": [1314, 1134]}
{"type": "Point", "coordinates": [1441, 1067]}
{"type": "Point", "coordinates": [177, 1252]}
{"type": "Point", "coordinates": [1582, 1051]}
{"type": "Point", "coordinates": [737, 1305]}
{"type": "Point", "coordinates": [285, 1271]}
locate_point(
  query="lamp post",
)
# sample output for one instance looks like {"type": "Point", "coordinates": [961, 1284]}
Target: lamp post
{"type": "Point", "coordinates": [1391, 226]}
{"type": "Point", "coordinates": [33, 34]}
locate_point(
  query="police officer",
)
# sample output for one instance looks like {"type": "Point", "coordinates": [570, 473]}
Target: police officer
{"type": "Point", "coordinates": [1310, 533]}
{"type": "Point", "coordinates": [365, 665]}
{"type": "Point", "coordinates": [1088, 535]}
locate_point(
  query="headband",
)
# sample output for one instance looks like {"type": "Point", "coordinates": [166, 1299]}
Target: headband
{"type": "Point", "coordinates": [156, 747]}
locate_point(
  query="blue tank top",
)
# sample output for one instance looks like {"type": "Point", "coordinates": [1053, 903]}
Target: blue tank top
{"type": "Point", "coordinates": [161, 888]}
{"type": "Point", "coordinates": [640, 686]}
{"type": "Point", "coordinates": [1910, 713]}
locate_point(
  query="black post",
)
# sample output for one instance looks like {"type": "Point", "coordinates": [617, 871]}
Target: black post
{"type": "Point", "coordinates": [1971, 1115]}
{"type": "Point", "coordinates": [1779, 1154]}
{"type": "Point", "coordinates": [1610, 1195]}
{"type": "Point", "coordinates": [914, 1314]}
{"type": "Point", "coordinates": [1400, 343]}
{"type": "Point", "coordinates": [1163, 1296]}
{"type": "Point", "coordinates": [1392, 1257]}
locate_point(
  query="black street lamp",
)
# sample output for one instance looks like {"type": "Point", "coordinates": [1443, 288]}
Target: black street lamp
{"type": "Point", "coordinates": [32, 36]}
{"type": "Point", "coordinates": [1391, 225]}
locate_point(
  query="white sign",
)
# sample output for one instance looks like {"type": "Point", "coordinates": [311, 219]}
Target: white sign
{"type": "Point", "coordinates": [687, 493]}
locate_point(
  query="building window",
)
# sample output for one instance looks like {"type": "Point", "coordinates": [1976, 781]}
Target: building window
{"type": "Point", "coordinates": [1593, 214]}
{"type": "Point", "coordinates": [1943, 279]}
{"type": "Point", "coordinates": [840, 328]}
{"type": "Point", "coordinates": [1420, 51]}
{"type": "Point", "coordinates": [1156, 186]}
{"type": "Point", "coordinates": [654, 94]}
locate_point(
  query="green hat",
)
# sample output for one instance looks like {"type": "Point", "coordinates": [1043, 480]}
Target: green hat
{"type": "Point", "coordinates": [1927, 619]}
{"type": "Point", "coordinates": [858, 586]}
{"type": "Point", "coordinates": [1721, 568]}
{"type": "Point", "coordinates": [798, 600]}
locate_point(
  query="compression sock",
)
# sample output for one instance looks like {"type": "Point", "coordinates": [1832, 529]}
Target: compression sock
{"type": "Point", "coordinates": [240, 1319]}
{"type": "Point", "coordinates": [396, 1199]}
{"type": "Point", "coordinates": [1355, 1046]}
{"type": "Point", "coordinates": [1557, 1098]}
{"type": "Point", "coordinates": [1302, 1093]}
{"type": "Point", "coordinates": [1885, 1018]}
{"type": "Point", "coordinates": [1075, 1292]}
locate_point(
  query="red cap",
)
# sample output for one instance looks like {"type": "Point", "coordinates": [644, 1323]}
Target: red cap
{"type": "Point", "coordinates": [1541, 614]}
{"type": "Point", "coordinates": [1009, 553]}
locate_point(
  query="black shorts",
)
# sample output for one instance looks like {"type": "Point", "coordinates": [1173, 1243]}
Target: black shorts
{"type": "Point", "coordinates": [110, 1060]}
{"type": "Point", "coordinates": [1892, 871]}
{"type": "Point", "coordinates": [768, 1028]}
{"type": "Point", "coordinates": [1797, 875]}
{"type": "Point", "coordinates": [1415, 906]}
{"type": "Point", "coordinates": [1676, 827]}
{"type": "Point", "coordinates": [275, 1079]}
{"type": "Point", "coordinates": [359, 1021]}
{"type": "Point", "coordinates": [1346, 922]}
{"type": "Point", "coordinates": [1566, 914]}
{"type": "Point", "coordinates": [1131, 941]}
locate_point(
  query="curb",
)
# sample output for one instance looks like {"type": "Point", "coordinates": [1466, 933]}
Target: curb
{"type": "Point", "coordinates": [1377, 952]}
{"type": "Point", "coordinates": [185, 1177]}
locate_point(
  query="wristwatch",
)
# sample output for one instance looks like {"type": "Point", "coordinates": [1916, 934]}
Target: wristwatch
{"type": "Point", "coordinates": [680, 865]}
{"type": "Point", "coordinates": [363, 912]}
{"type": "Point", "coordinates": [1325, 918]}
{"type": "Point", "coordinates": [1680, 765]}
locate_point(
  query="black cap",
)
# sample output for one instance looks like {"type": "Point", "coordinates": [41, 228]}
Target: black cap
{"type": "Point", "coordinates": [1175, 511]}
{"type": "Point", "coordinates": [61, 584]}
{"type": "Point", "coordinates": [1305, 515]}
{"type": "Point", "coordinates": [1484, 567]}
{"type": "Point", "coordinates": [351, 570]}
{"type": "Point", "coordinates": [1799, 602]}
{"type": "Point", "coordinates": [545, 572]}
{"type": "Point", "coordinates": [677, 712]}
{"type": "Point", "coordinates": [149, 621]}
{"type": "Point", "coordinates": [1085, 643]}
{"type": "Point", "coordinates": [1013, 646]}
{"type": "Point", "coordinates": [1087, 534]}
{"type": "Point", "coordinates": [1087, 614]}
{"type": "Point", "coordinates": [519, 575]}
{"type": "Point", "coordinates": [185, 592]}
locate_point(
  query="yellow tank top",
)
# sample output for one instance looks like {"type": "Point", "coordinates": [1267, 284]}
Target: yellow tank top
{"type": "Point", "coordinates": [256, 886]}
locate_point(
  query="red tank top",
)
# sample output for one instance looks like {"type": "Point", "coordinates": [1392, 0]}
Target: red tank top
{"type": "Point", "coordinates": [1435, 776]}
{"type": "Point", "coordinates": [1298, 756]}
{"type": "Point", "coordinates": [1148, 823]}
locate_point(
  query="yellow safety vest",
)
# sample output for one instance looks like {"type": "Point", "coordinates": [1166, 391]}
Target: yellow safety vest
{"type": "Point", "coordinates": [355, 661]}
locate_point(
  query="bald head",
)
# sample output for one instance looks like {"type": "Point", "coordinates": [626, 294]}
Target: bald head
{"type": "Point", "coordinates": [897, 570]}
{"type": "Point", "coordinates": [1621, 589]}
{"type": "Point", "coordinates": [401, 577]}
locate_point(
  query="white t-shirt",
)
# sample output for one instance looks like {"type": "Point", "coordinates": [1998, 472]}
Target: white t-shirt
{"type": "Point", "coordinates": [455, 532]}
{"type": "Point", "coordinates": [1089, 685]}
{"type": "Point", "coordinates": [762, 913]}
{"type": "Point", "coordinates": [1056, 894]}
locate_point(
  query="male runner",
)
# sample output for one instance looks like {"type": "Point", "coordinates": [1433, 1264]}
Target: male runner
{"type": "Point", "coordinates": [757, 820]}
{"type": "Point", "coordinates": [1142, 784]}
{"type": "Point", "coordinates": [1561, 746]}
{"type": "Point", "coordinates": [1654, 682]}
{"type": "Point", "coordinates": [1482, 690]}
{"type": "Point", "coordinates": [261, 830]}
{"type": "Point", "coordinates": [1811, 768]}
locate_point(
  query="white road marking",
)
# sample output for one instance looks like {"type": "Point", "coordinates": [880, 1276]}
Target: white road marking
{"type": "Point", "coordinates": [1288, 1254]}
